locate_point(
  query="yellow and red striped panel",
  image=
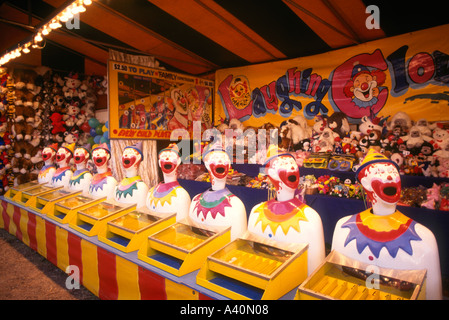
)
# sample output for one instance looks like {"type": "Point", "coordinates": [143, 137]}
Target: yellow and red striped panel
{"type": "Point", "coordinates": [107, 275]}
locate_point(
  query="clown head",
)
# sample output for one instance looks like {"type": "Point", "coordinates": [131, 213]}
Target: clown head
{"type": "Point", "coordinates": [179, 100]}
{"type": "Point", "coordinates": [283, 172]}
{"type": "Point", "coordinates": [49, 153]}
{"type": "Point", "coordinates": [169, 160]}
{"type": "Point", "coordinates": [381, 181]}
{"type": "Point", "coordinates": [364, 85]}
{"type": "Point", "coordinates": [64, 155]}
{"type": "Point", "coordinates": [217, 162]}
{"type": "Point", "coordinates": [131, 158]}
{"type": "Point", "coordinates": [101, 156]}
{"type": "Point", "coordinates": [81, 156]}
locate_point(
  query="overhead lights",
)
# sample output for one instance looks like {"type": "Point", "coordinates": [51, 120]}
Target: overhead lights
{"type": "Point", "coordinates": [69, 12]}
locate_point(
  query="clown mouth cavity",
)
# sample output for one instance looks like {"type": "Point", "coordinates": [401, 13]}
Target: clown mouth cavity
{"type": "Point", "coordinates": [390, 191]}
{"type": "Point", "coordinates": [77, 158]}
{"type": "Point", "coordinates": [292, 178]}
{"type": "Point", "coordinates": [220, 170]}
{"type": "Point", "coordinates": [127, 161]}
{"type": "Point", "coordinates": [99, 160]}
{"type": "Point", "coordinates": [168, 166]}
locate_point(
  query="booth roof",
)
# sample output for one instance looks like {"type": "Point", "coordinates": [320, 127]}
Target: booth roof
{"type": "Point", "coordinates": [199, 37]}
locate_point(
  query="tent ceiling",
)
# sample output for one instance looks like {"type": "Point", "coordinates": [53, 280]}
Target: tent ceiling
{"type": "Point", "coordinates": [200, 36]}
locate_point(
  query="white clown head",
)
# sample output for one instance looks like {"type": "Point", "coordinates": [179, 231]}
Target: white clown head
{"type": "Point", "coordinates": [131, 158]}
{"type": "Point", "coordinates": [100, 157]}
{"type": "Point", "coordinates": [381, 181]}
{"type": "Point", "coordinates": [283, 172]}
{"type": "Point", "coordinates": [49, 153]}
{"type": "Point", "coordinates": [218, 164]}
{"type": "Point", "coordinates": [81, 156]}
{"type": "Point", "coordinates": [64, 155]}
{"type": "Point", "coordinates": [169, 161]}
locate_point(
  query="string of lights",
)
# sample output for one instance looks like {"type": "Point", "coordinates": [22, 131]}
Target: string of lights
{"type": "Point", "coordinates": [68, 13]}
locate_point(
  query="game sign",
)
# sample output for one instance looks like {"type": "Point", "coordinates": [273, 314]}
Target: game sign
{"type": "Point", "coordinates": [147, 103]}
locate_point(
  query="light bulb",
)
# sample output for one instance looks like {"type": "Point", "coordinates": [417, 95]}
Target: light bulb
{"type": "Point", "coordinates": [26, 50]}
{"type": "Point", "coordinates": [87, 2]}
{"type": "Point", "coordinates": [38, 37]}
{"type": "Point", "coordinates": [45, 31]}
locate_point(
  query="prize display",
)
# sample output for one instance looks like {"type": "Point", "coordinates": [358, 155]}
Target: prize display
{"type": "Point", "coordinates": [103, 182]}
{"type": "Point", "coordinates": [168, 196]}
{"type": "Point", "coordinates": [382, 236]}
{"type": "Point", "coordinates": [132, 189]}
{"type": "Point", "coordinates": [82, 177]}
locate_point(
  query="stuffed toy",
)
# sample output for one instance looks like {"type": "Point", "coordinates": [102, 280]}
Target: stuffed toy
{"type": "Point", "coordinates": [443, 152]}
{"type": "Point", "coordinates": [71, 115]}
{"type": "Point", "coordinates": [326, 141]}
{"type": "Point", "coordinates": [293, 133]}
{"type": "Point", "coordinates": [443, 167]}
{"type": "Point", "coordinates": [57, 123]}
{"type": "Point", "coordinates": [414, 139]}
{"type": "Point", "coordinates": [400, 119]}
{"type": "Point", "coordinates": [439, 135]}
{"type": "Point", "coordinates": [319, 125]}
{"type": "Point", "coordinates": [432, 197]}
{"type": "Point", "coordinates": [425, 127]}
{"type": "Point", "coordinates": [338, 122]}
{"type": "Point", "coordinates": [71, 87]}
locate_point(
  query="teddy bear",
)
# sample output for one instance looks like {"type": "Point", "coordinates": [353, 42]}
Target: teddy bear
{"type": "Point", "coordinates": [439, 135]}
{"type": "Point", "coordinates": [443, 167]}
{"type": "Point", "coordinates": [71, 115]}
{"type": "Point", "coordinates": [443, 152]}
{"type": "Point", "coordinates": [57, 123]}
{"type": "Point", "coordinates": [293, 133]}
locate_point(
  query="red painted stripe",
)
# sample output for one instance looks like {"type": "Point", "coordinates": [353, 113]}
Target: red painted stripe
{"type": "Point", "coordinates": [5, 215]}
{"type": "Point", "coordinates": [16, 218]}
{"type": "Point", "coordinates": [152, 286]}
{"type": "Point", "coordinates": [50, 237]}
{"type": "Point", "coordinates": [75, 253]}
{"type": "Point", "coordinates": [202, 296]}
{"type": "Point", "coordinates": [108, 287]}
{"type": "Point", "coordinates": [31, 227]}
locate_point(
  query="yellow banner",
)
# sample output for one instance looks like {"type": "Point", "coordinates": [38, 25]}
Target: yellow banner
{"type": "Point", "coordinates": [404, 73]}
{"type": "Point", "coordinates": [146, 103]}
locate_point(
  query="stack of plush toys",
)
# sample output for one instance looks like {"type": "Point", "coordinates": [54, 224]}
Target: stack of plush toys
{"type": "Point", "coordinates": [419, 147]}
{"type": "Point", "coordinates": [47, 108]}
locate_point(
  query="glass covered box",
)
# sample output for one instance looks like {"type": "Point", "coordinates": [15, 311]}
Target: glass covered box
{"type": "Point", "coordinates": [16, 191]}
{"type": "Point", "coordinates": [182, 248]}
{"type": "Point", "coordinates": [64, 210]}
{"type": "Point", "coordinates": [28, 197]}
{"type": "Point", "coordinates": [341, 278]}
{"type": "Point", "coordinates": [128, 232]}
{"type": "Point", "coordinates": [46, 202]}
{"type": "Point", "coordinates": [249, 269]}
{"type": "Point", "coordinates": [92, 219]}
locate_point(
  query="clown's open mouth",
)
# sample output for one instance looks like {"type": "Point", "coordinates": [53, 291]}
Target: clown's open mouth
{"type": "Point", "coordinates": [366, 93]}
{"type": "Point", "coordinates": [390, 191]}
{"type": "Point", "coordinates": [168, 166]}
{"type": "Point", "coordinates": [292, 178]}
{"type": "Point", "coordinates": [127, 161]}
{"type": "Point", "coordinates": [220, 171]}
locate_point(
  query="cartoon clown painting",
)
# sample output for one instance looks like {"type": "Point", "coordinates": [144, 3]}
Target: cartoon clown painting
{"type": "Point", "coordinates": [48, 170]}
{"type": "Point", "coordinates": [132, 189]}
{"type": "Point", "coordinates": [286, 218]}
{"type": "Point", "coordinates": [382, 236]}
{"type": "Point", "coordinates": [168, 196]}
{"type": "Point", "coordinates": [103, 182]}
{"type": "Point", "coordinates": [363, 87]}
{"type": "Point", "coordinates": [217, 206]}
{"type": "Point", "coordinates": [63, 174]}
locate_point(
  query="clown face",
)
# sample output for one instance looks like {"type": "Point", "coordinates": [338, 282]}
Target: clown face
{"type": "Point", "coordinates": [283, 172]}
{"type": "Point", "coordinates": [63, 156]}
{"type": "Point", "coordinates": [81, 156]}
{"type": "Point", "coordinates": [169, 161]}
{"type": "Point", "coordinates": [382, 183]}
{"type": "Point", "coordinates": [365, 87]}
{"type": "Point", "coordinates": [100, 157]}
{"type": "Point", "coordinates": [48, 154]}
{"type": "Point", "coordinates": [218, 164]}
{"type": "Point", "coordinates": [130, 158]}
{"type": "Point", "coordinates": [179, 100]}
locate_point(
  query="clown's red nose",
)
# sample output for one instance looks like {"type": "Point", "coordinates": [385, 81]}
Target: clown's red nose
{"type": "Point", "coordinates": [389, 178]}
{"type": "Point", "coordinates": [364, 86]}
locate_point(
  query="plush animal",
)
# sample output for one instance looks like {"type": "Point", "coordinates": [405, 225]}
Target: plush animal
{"type": "Point", "coordinates": [400, 119]}
{"type": "Point", "coordinates": [414, 139]}
{"type": "Point", "coordinates": [57, 123]}
{"type": "Point", "coordinates": [424, 127]}
{"type": "Point", "coordinates": [439, 135]}
{"type": "Point", "coordinates": [338, 122]}
{"type": "Point", "coordinates": [443, 167]}
{"type": "Point", "coordinates": [71, 87]}
{"type": "Point", "coordinates": [319, 125]}
{"type": "Point", "coordinates": [292, 133]}
{"type": "Point", "coordinates": [443, 152]}
{"type": "Point", "coordinates": [326, 141]}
